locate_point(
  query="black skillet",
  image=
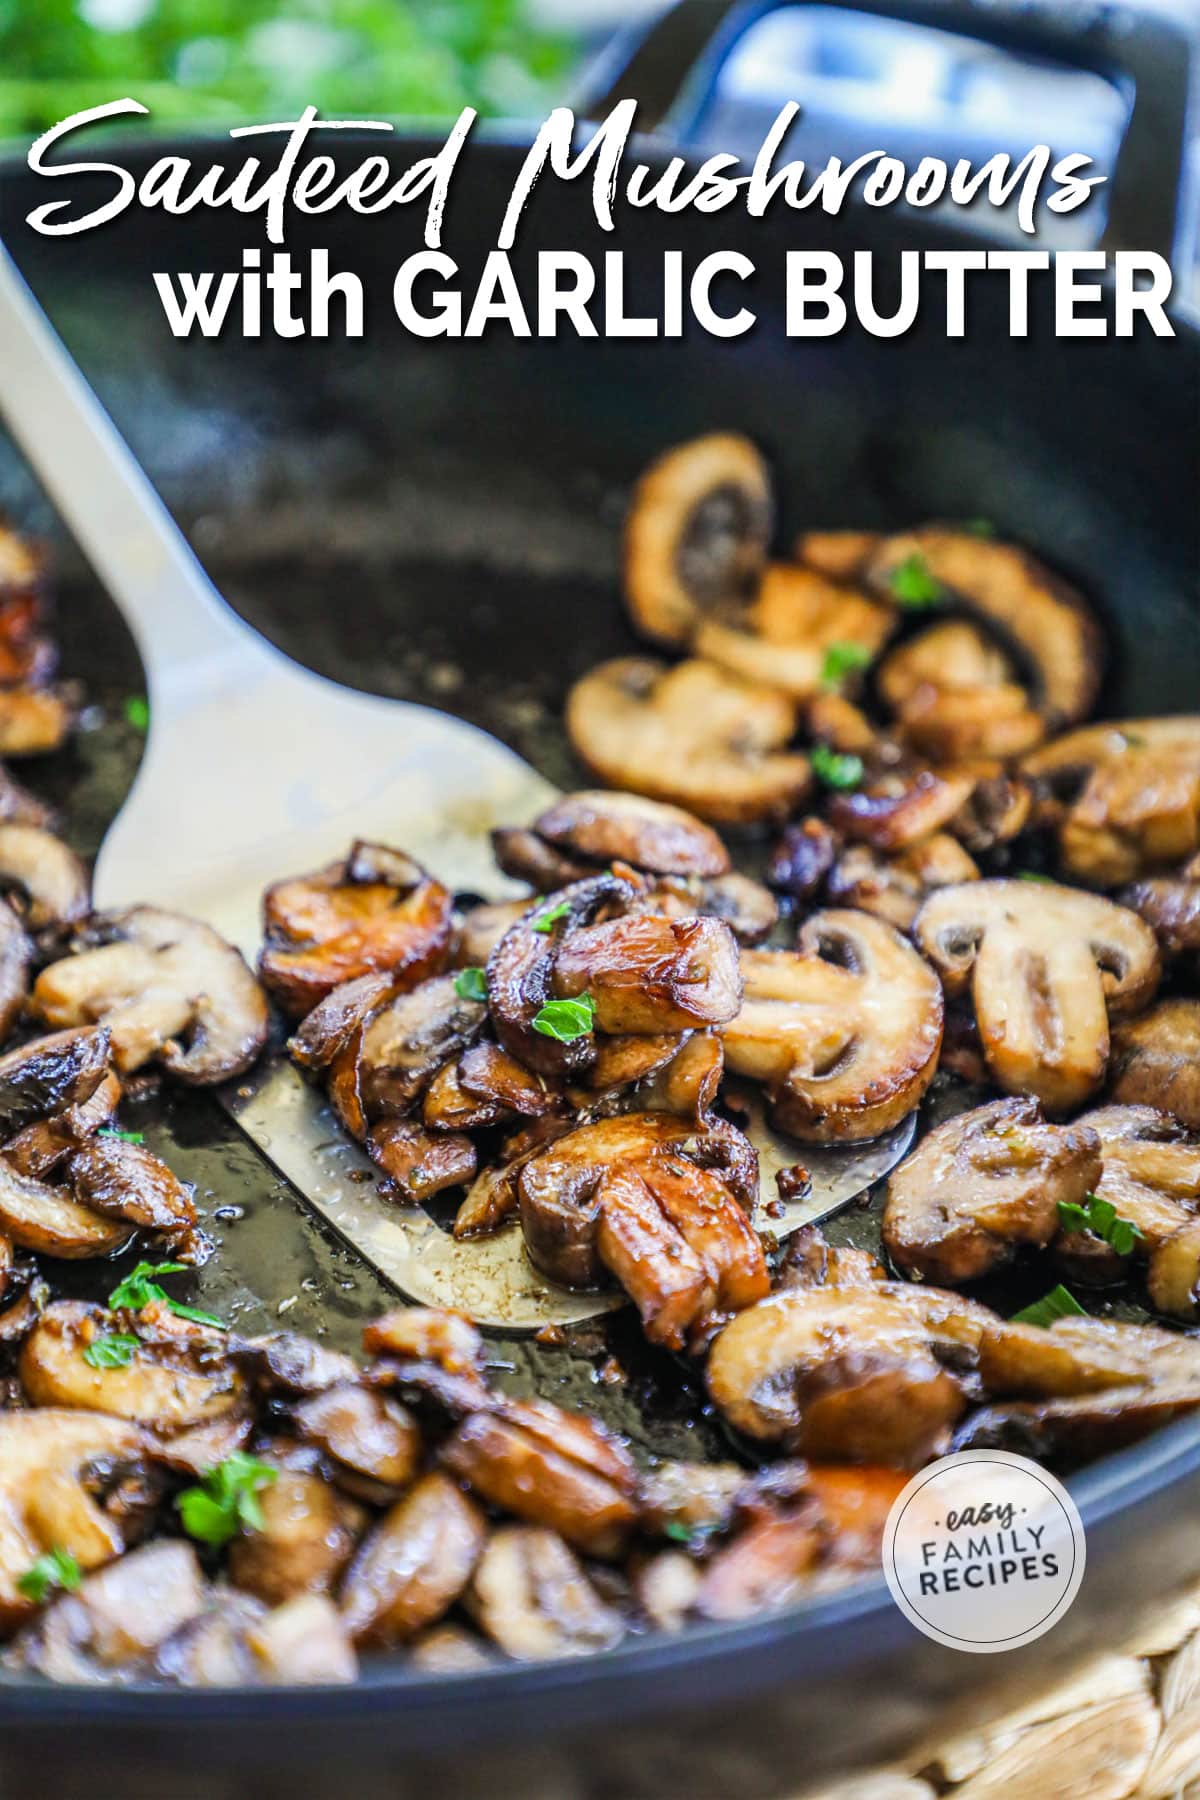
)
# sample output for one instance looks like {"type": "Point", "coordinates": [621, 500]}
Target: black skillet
{"type": "Point", "coordinates": [440, 521]}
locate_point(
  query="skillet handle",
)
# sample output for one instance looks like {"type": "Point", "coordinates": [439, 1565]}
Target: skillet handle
{"type": "Point", "coordinates": [1149, 50]}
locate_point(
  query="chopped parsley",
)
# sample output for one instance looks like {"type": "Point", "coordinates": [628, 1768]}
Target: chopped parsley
{"type": "Point", "coordinates": [116, 1351]}
{"type": "Point", "coordinates": [226, 1499]}
{"type": "Point", "coordinates": [835, 768]}
{"type": "Point", "coordinates": [566, 1020]}
{"type": "Point", "coordinates": [1101, 1218]}
{"type": "Point", "coordinates": [55, 1569]}
{"type": "Point", "coordinates": [137, 712]}
{"type": "Point", "coordinates": [139, 1289]}
{"type": "Point", "coordinates": [1059, 1303]}
{"type": "Point", "coordinates": [980, 528]}
{"type": "Point", "coordinates": [122, 1137]}
{"type": "Point", "coordinates": [546, 921]}
{"type": "Point", "coordinates": [842, 660]}
{"type": "Point", "coordinates": [1034, 875]}
{"type": "Point", "coordinates": [913, 585]}
{"type": "Point", "coordinates": [471, 984]}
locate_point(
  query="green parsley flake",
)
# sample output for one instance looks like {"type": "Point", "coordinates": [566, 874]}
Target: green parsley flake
{"type": "Point", "coordinates": [137, 712]}
{"type": "Point", "coordinates": [546, 921]}
{"type": "Point", "coordinates": [122, 1137]}
{"type": "Point", "coordinates": [55, 1569]}
{"type": "Point", "coordinates": [1059, 1303]}
{"type": "Point", "coordinates": [980, 528]}
{"type": "Point", "coordinates": [1034, 875]}
{"type": "Point", "coordinates": [226, 1500]}
{"type": "Point", "coordinates": [842, 660]}
{"type": "Point", "coordinates": [471, 984]}
{"type": "Point", "coordinates": [913, 585]}
{"type": "Point", "coordinates": [139, 1289]}
{"type": "Point", "coordinates": [566, 1020]}
{"type": "Point", "coordinates": [835, 769]}
{"type": "Point", "coordinates": [1101, 1218]}
{"type": "Point", "coordinates": [116, 1351]}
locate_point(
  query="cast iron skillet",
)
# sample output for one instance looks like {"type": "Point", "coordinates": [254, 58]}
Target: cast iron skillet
{"type": "Point", "coordinates": [441, 521]}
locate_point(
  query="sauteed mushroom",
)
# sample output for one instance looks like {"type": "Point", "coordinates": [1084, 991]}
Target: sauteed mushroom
{"type": "Point", "coordinates": [45, 1219]}
{"type": "Point", "coordinates": [33, 721]}
{"type": "Point", "coordinates": [954, 696]}
{"type": "Point", "coordinates": [1047, 966]}
{"type": "Point", "coordinates": [1170, 906]}
{"type": "Point", "coordinates": [50, 881]}
{"type": "Point", "coordinates": [694, 734]}
{"type": "Point", "coordinates": [894, 888]}
{"type": "Point", "coordinates": [1151, 1175]}
{"type": "Point", "coordinates": [120, 1616]}
{"type": "Point", "coordinates": [1047, 622]}
{"type": "Point", "coordinates": [697, 534]}
{"type": "Point", "coordinates": [844, 1031]}
{"type": "Point", "coordinates": [177, 1376]}
{"type": "Point", "coordinates": [1156, 1061]}
{"type": "Point", "coordinates": [372, 1438]}
{"type": "Point", "coordinates": [841, 555]}
{"type": "Point", "coordinates": [1125, 797]}
{"type": "Point", "coordinates": [900, 809]}
{"type": "Point", "coordinates": [52, 1075]}
{"type": "Point", "coordinates": [1173, 1278]}
{"type": "Point", "coordinates": [307, 1536]}
{"type": "Point", "coordinates": [982, 1184]}
{"type": "Point", "coordinates": [596, 826]}
{"type": "Point", "coordinates": [374, 912]}
{"type": "Point", "coordinates": [531, 1596]}
{"type": "Point", "coordinates": [414, 1565]}
{"type": "Point", "coordinates": [785, 635]}
{"type": "Point", "coordinates": [647, 974]}
{"type": "Point", "coordinates": [16, 955]}
{"type": "Point", "coordinates": [168, 988]}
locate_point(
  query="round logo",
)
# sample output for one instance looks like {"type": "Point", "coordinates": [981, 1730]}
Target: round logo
{"type": "Point", "coordinates": [984, 1551]}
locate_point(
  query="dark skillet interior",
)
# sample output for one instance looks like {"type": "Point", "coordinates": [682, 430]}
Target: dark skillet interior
{"type": "Point", "coordinates": [440, 521]}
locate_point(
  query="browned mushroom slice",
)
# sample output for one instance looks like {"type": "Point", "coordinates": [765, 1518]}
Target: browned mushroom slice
{"type": "Point", "coordinates": [1151, 1168]}
{"type": "Point", "coordinates": [694, 734]}
{"type": "Point", "coordinates": [809, 1261]}
{"type": "Point", "coordinates": [647, 974]}
{"type": "Point", "coordinates": [306, 1538]}
{"type": "Point", "coordinates": [834, 720]}
{"type": "Point", "coordinates": [16, 955]}
{"type": "Point", "coordinates": [448, 1106]}
{"type": "Point", "coordinates": [1106, 1382]}
{"type": "Point", "coordinates": [406, 1041]}
{"type": "Point", "coordinates": [697, 534]}
{"type": "Point", "coordinates": [783, 638]}
{"type": "Point", "coordinates": [1156, 1061]}
{"type": "Point", "coordinates": [174, 1379]}
{"type": "Point", "coordinates": [39, 1148]}
{"type": "Point", "coordinates": [531, 1596]}
{"type": "Point", "coordinates": [1173, 1277]}
{"type": "Point", "coordinates": [489, 1073]}
{"type": "Point", "coordinates": [1125, 796]}
{"type": "Point", "coordinates": [493, 1196]}
{"type": "Point", "coordinates": [46, 1456]}
{"type": "Point", "coordinates": [480, 930]}
{"type": "Point", "coordinates": [43, 1218]}
{"type": "Point", "coordinates": [1171, 908]}
{"type": "Point", "coordinates": [894, 888]}
{"type": "Point", "coordinates": [129, 1182]}
{"type": "Point", "coordinates": [681, 1498]}
{"type": "Point", "coordinates": [605, 827]}
{"type": "Point", "coordinates": [521, 972]}
{"type": "Point", "coordinates": [374, 912]}
{"type": "Point", "coordinates": [954, 695]}
{"type": "Point", "coordinates": [415, 1563]}
{"type": "Point", "coordinates": [837, 1374]}
{"type": "Point", "coordinates": [421, 1163]}
{"type": "Point", "coordinates": [844, 1031]}
{"type": "Point", "coordinates": [1076, 1430]}
{"type": "Point", "coordinates": [766, 1567]}
{"type": "Point", "coordinates": [50, 880]}
{"type": "Point", "coordinates": [802, 859]}
{"type": "Point", "coordinates": [900, 809]}
{"type": "Point", "coordinates": [1049, 625]}
{"type": "Point", "coordinates": [51, 1075]}
{"type": "Point", "coordinates": [303, 1643]}
{"type": "Point", "coordinates": [1047, 966]}
{"type": "Point", "coordinates": [1000, 806]}
{"type": "Point", "coordinates": [429, 1334]}
{"type": "Point", "coordinates": [746, 906]}
{"type": "Point", "coordinates": [33, 721]}
{"type": "Point", "coordinates": [981, 1185]}
{"type": "Point", "coordinates": [527, 857]}
{"type": "Point", "coordinates": [841, 555]}
{"type": "Point", "coordinates": [549, 1467]}
{"type": "Point", "coordinates": [168, 988]}
{"type": "Point", "coordinates": [689, 1083]}
{"type": "Point", "coordinates": [368, 1434]}
{"type": "Point", "coordinates": [119, 1616]}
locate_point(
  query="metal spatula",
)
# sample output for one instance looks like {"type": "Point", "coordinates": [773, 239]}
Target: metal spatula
{"type": "Point", "coordinates": [256, 768]}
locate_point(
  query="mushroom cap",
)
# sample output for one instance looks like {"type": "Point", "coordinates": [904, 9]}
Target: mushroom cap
{"type": "Point", "coordinates": [693, 734]}
{"type": "Point", "coordinates": [1048, 623]}
{"type": "Point", "coordinates": [1125, 796]}
{"type": "Point", "coordinates": [52, 879]}
{"type": "Point", "coordinates": [982, 1184]}
{"type": "Point", "coordinates": [1048, 965]}
{"type": "Point", "coordinates": [648, 974]}
{"type": "Point", "coordinates": [51, 1074]}
{"type": "Point", "coordinates": [609, 827]}
{"type": "Point", "coordinates": [844, 1031]}
{"type": "Point", "coordinates": [169, 989]}
{"type": "Point", "coordinates": [697, 534]}
{"type": "Point", "coordinates": [836, 1374]}
{"type": "Point", "coordinates": [1156, 1061]}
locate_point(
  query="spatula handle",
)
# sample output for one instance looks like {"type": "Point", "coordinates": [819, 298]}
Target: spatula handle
{"type": "Point", "coordinates": [185, 632]}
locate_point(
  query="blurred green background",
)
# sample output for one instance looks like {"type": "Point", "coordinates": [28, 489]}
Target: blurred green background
{"type": "Point", "coordinates": [217, 59]}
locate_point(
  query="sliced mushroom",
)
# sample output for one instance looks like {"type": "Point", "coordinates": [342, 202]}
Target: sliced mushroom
{"type": "Point", "coordinates": [954, 695]}
{"type": "Point", "coordinates": [51, 1075]}
{"type": "Point", "coordinates": [129, 1182]}
{"type": "Point", "coordinates": [1074, 1431]}
{"type": "Point", "coordinates": [695, 735]}
{"type": "Point", "coordinates": [844, 1031]}
{"type": "Point", "coordinates": [120, 1615]}
{"type": "Point", "coordinates": [33, 721]}
{"type": "Point", "coordinates": [303, 1643]}
{"type": "Point", "coordinates": [697, 534]}
{"type": "Point", "coordinates": [1081, 1355]}
{"type": "Point", "coordinates": [1156, 1061]}
{"type": "Point", "coordinates": [421, 1163]}
{"type": "Point", "coordinates": [46, 1457]}
{"type": "Point", "coordinates": [414, 1565]}
{"type": "Point", "coordinates": [837, 1374]}
{"type": "Point", "coordinates": [405, 1042]}
{"type": "Point", "coordinates": [1171, 908]}
{"type": "Point", "coordinates": [531, 1596]}
{"type": "Point", "coordinates": [894, 888]}
{"type": "Point", "coordinates": [1125, 797]}
{"type": "Point", "coordinates": [16, 955]}
{"type": "Point", "coordinates": [1151, 1169]}
{"type": "Point", "coordinates": [802, 859]}
{"type": "Point", "coordinates": [1173, 1277]}
{"type": "Point", "coordinates": [784, 636]}
{"type": "Point", "coordinates": [647, 974]}
{"type": "Point", "coordinates": [489, 1073]}
{"type": "Point", "coordinates": [43, 1218]}
{"type": "Point", "coordinates": [809, 1260]}
{"type": "Point", "coordinates": [374, 912]}
{"type": "Point", "coordinates": [168, 988]}
{"type": "Point", "coordinates": [603, 827]}
{"type": "Point", "coordinates": [900, 809]}
{"type": "Point", "coordinates": [981, 1185]}
{"type": "Point", "coordinates": [1048, 624]}
{"type": "Point", "coordinates": [306, 1538]}
{"type": "Point", "coordinates": [766, 1567]}
{"type": "Point", "coordinates": [1048, 966]}
{"type": "Point", "coordinates": [367, 1434]}
{"type": "Point", "coordinates": [175, 1378]}
{"type": "Point", "coordinates": [549, 1467]}
{"type": "Point", "coordinates": [841, 555]}
{"type": "Point", "coordinates": [746, 906]}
